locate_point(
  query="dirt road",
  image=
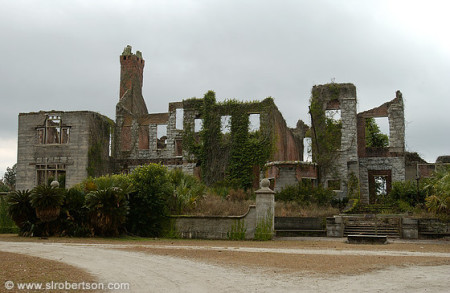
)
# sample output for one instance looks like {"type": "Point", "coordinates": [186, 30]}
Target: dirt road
{"type": "Point", "coordinates": [155, 273]}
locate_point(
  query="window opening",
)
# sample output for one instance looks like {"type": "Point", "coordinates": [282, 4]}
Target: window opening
{"type": "Point", "coordinates": [161, 136]}
{"type": "Point", "coordinates": [380, 185]}
{"type": "Point", "coordinates": [179, 116]}
{"type": "Point", "coordinates": [255, 122]}
{"type": "Point", "coordinates": [53, 132]}
{"type": "Point", "coordinates": [334, 184]}
{"type": "Point", "coordinates": [225, 124]}
{"type": "Point", "coordinates": [198, 125]}
{"type": "Point", "coordinates": [307, 149]}
{"type": "Point", "coordinates": [377, 132]}
{"type": "Point", "coordinates": [45, 174]}
{"type": "Point", "coordinates": [333, 114]}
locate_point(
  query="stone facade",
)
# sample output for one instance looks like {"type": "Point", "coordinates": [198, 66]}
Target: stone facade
{"type": "Point", "coordinates": [138, 141]}
{"type": "Point", "coordinates": [77, 144]}
{"type": "Point", "coordinates": [138, 137]}
{"type": "Point", "coordinates": [353, 156]}
{"type": "Point", "coordinates": [61, 145]}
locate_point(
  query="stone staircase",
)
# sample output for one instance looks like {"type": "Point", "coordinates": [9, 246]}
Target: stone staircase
{"type": "Point", "coordinates": [372, 225]}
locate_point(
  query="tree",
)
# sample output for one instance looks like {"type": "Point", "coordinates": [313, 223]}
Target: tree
{"type": "Point", "coordinates": [149, 201]}
{"type": "Point", "coordinates": [10, 177]}
{"type": "Point", "coordinates": [374, 137]}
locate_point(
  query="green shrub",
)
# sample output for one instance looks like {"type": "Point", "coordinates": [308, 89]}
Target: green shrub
{"type": "Point", "coordinates": [74, 214]}
{"type": "Point", "coordinates": [108, 210]}
{"type": "Point", "coordinates": [237, 230]}
{"type": "Point", "coordinates": [149, 202]}
{"type": "Point", "coordinates": [438, 193]}
{"type": "Point", "coordinates": [305, 194]}
{"type": "Point", "coordinates": [406, 192]}
{"type": "Point", "coordinates": [264, 228]}
{"type": "Point", "coordinates": [20, 209]}
{"type": "Point", "coordinates": [187, 190]}
{"type": "Point", "coordinates": [6, 223]}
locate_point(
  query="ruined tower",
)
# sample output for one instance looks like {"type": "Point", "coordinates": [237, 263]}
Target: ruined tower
{"type": "Point", "coordinates": [131, 79]}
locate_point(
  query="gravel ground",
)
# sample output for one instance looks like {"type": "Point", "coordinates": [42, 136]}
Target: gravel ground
{"type": "Point", "coordinates": [276, 266]}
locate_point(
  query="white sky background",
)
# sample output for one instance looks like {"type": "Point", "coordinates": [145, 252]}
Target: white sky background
{"type": "Point", "coordinates": [64, 55]}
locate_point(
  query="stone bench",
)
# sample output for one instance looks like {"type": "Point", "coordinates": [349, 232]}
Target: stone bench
{"type": "Point", "coordinates": [367, 239]}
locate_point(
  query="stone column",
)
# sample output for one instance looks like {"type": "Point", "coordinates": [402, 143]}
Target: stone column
{"type": "Point", "coordinates": [265, 203]}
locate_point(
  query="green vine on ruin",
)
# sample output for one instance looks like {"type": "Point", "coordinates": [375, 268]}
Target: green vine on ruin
{"type": "Point", "coordinates": [230, 156]}
{"type": "Point", "coordinates": [326, 132]}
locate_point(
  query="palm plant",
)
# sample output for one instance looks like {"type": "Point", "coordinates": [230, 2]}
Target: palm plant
{"type": "Point", "coordinates": [47, 201]}
{"type": "Point", "coordinates": [108, 209]}
{"type": "Point", "coordinates": [19, 208]}
{"type": "Point", "coordinates": [438, 199]}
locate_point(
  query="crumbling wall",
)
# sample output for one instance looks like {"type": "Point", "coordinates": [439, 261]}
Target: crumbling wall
{"type": "Point", "coordinates": [389, 161]}
{"type": "Point", "coordinates": [335, 162]}
{"type": "Point", "coordinates": [87, 146]}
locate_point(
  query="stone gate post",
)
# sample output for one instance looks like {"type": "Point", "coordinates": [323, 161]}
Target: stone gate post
{"type": "Point", "coordinates": [265, 203]}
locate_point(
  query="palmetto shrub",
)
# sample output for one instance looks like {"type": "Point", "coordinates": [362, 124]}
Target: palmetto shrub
{"type": "Point", "coordinates": [47, 201]}
{"type": "Point", "coordinates": [20, 209]}
{"type": "Point", "coordinates": [108, 210]}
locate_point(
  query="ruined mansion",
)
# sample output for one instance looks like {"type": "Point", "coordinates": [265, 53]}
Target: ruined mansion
{"type": "Point", "coordinates": [210, 139]}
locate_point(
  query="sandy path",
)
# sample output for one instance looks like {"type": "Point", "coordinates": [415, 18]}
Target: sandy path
{"type": "Point", "coordinates": [152, 273]}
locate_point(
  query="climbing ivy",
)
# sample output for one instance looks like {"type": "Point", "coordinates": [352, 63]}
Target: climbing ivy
{"type": "Point", "coordinates": [230, 156]}
{"type": "Point", "coordinates": [326, 132]}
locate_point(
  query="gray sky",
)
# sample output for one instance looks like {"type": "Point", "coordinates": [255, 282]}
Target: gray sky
{"type": "Point", "coordinates": [64, 55]}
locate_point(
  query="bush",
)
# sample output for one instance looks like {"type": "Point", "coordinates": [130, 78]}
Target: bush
{"type": "Point", "coordinates": [20, 209]}
{"type": "Point", "coordinates": [187, 190]}
{"type": "Point", "coordinates": [305, 194]}
{"type": "Point", "coordinates": [108, 209]}
{"type": "Point", "coordinates": [149, 202]}
{"type": "Point", "coordinates": [74, 214]}
{"type": "Point", "coordinates": [438, 193]}
{"type": "Point", "coordinates": [406, 192]}
{"type": "Point", "coordinates": [47, 201]}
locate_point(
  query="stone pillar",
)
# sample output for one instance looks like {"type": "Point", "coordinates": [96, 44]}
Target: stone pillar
{"type": "Point", "coordinates": [410, 228]}
{"type": "Point", "coordinates": [335, 226]}
{"type": "Point", "coordinates": [265, 203]}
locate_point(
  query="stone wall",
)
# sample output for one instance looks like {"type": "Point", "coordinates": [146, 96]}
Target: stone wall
{"type": "Point", "coordinates": [396, 166]}
{"type": "Point", "coordinates": [210, 227]}
{"type": "Point", "coordinates": [73, 156]}
{"type": "Point", "coordinates": [213, 227]}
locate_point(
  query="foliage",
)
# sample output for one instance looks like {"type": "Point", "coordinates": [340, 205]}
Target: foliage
{"type": "Point", "coordinates": [148, 203]}
{"type": "Point", "coordinates": [187, 190]}
{"type": "Point", "coordinates": [74, 214]}
{"type": "Point", "coordinates": [353, 190]}
{"type": "Point", "coordinates": [108, 209]}
{"type": "Point", "coordinates": [264, 228]}
{"type": "Point", "coordinates": [45, 196]}
{"type": "Point", "coordinates": [237, 230]}
{"type": "Point", "coordinates": [305, 194]}
{"type": "Point", "coordinates": [4, 187]}
{"type": "Point", "coordinates": [374, 137]}
{"type": "Point", "coordinates": [326, 131]}
{"type": "Point", "coordinates": [407, 192]}
{"type": "Point", "coordinates": [19, 208]}
{"type": "Point", "coordinates": [6, 223]}
{"type": "Point", "coordinates": [438, 193]}
{"type": "Point", "coordinates": [170, 230]}
{"type": "Point", "coordinates": [10, 177]}
{"type": "Point", "coordinates": [231, 156]}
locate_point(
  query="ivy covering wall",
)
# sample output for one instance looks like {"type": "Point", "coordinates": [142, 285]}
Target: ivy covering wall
{"type": "Point", "coordinates": [326, 132]}
{"type": "Point", "coordinates": [232, 156]}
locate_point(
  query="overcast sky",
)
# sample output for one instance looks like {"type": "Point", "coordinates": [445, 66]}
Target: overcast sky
{"type": "Point", "coordinates": [64, 55]}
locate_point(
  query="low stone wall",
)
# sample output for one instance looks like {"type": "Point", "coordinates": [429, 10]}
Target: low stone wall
{"type": "Point", "coordinates": [300, 226]}
{"type": "Point", "coordinates": [214, 227]}
{"type": "Point", "coordinates": [409, 228]}
{"type": "Point", "coordinates": [433, 228]}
